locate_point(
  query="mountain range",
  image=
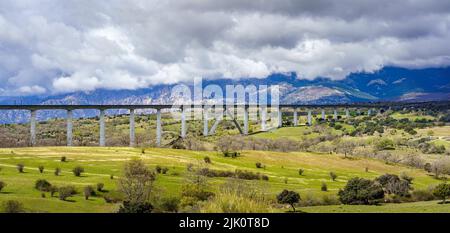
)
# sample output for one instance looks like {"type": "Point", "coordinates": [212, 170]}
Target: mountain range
{"type": "Point", "coordinates": [387, 84]}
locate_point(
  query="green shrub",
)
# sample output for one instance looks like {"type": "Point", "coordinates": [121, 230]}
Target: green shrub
{"type": "Point", "coordinates": [88, 191]}
{"type": "Point", "coordinates": [392, 184]}
{"type": "Point", "coordinates": [288, 197]}
{"type": "Point", "coordinates": [164, 170]}
{"type": "Point", "coordinates": [158, 169]}
{"type": "Point", "coordinates": [207, 159]}
{"type": "Point", "coordinates": [57, 171]}
{"type": "Point", "coordinates": [361, 191]}
{"type": "Point", "coordinates": [20, 167]}
{"type": "Point", "coordinates": [42, 185]}
{"type": "Point", "coordinates": [53, 190]}
{"type": "Point", "coordinates": [170, 204]}
{"type": "Point", "coordinates": [100, 187]}
{"type": "Point", "coordinates": [2, 185]}
{"type": "Point", "coordinates": [63, 159]}
{"type": "Point", "coordinates": [324, 187]}
{"type": "Point", "coordinates": [41, 169]}
{"type": "Point", "coordinates": [301, 171]}
{"type": "Point", "coordinates": [132, 207]}
{"type": "Point", "coordinates": [422, 195]}
{"type": "Point", "coordinates": [111, 177]}
{"type": "Point", "coordinates": [442, 191]}
{"type": "Point", "coordinates": [65, 192]}
{"type": "Point", "coordinates": [113, 197]}
{"type": "Point", "coordinates": [333, 176]}
{"type": "Point", "coordinates": [78, 170]}
{"type": "Point", "coordinates": [259, 165]}
{"type": "Point", "coordinates": [13, 206]}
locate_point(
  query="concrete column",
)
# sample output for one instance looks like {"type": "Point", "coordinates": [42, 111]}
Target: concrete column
{"type": "Point", "coordinates": [245, 121]}
{"type": "Point", "coordinates": [369, 112]}
{"type": "Point", "coordinates": [205, 122]}
{"type": "Point", "coordinates": [102, 127]}
{"type": "Point", "coordinates": [358, 111]}
{"type": "Point", "coordinates": [295, 118]}
{"type": "Point", "coordinates": [183, 123]}
{"type": "Point", "coordinates": [33, 128]}
{"type": "Point", "coordinates": [323, 114]}
{"type": "Point", "coordinates": [309, 118]}
{"type": "Point", "coordinates": [158, 127]}
{"type": "Point", "coordinates": [335, 115]}
{"type": "Point", "coordinates": [132, 129]}
{"type": "Point", "coordinates": [69, 127]}
{"type": "Point", "coordinates": [347, 113]}
{"type": "Point", "coordinates": [263, 118]}
{"type": "Point", "coordinates": [280, 118]}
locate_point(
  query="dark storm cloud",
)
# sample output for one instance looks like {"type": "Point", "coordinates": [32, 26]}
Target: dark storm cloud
{"type": "Point", "coordinates": [52, 46]}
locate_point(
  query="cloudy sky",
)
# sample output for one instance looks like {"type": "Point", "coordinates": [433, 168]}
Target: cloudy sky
{"type": "Point", "coordinates": [53, 46]}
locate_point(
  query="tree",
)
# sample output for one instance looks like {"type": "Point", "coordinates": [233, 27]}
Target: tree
{"type": "Point", "coordinates": [360, 191]}
{"type": "Point", "coordinates": [345, 147]}
{"type": "Point", "coordinates": [333, 176]}
{"type": "Point", "coordinates": [88, 191]}
{"type": "Point", "coordinates": [42, 185]}
{"type": "Point", "coordinates": [78, 170]}
{"type": "Point", "coordinates": [13, 206]}
{"type": "Point", "coordinates": [2, 185]}
{"type": "Point", "coordinates": [441, 166]}
{"type": "Point", "coordinates": [136, 186]}
{"type": "Point", "coordinates": [288, 197]}
{"type": "Point", "coordinates": [442, 191]}
{"type": "Point", "coordinates": [392, 184]}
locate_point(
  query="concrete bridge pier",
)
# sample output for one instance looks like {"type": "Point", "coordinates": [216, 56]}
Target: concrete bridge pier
{"type": "Point", "coordinates": [245, 120]}
{"type": "Point", "coordinates": [132, 129]}
{"type": "Point", "coordinates": [295, 117]}
{"type": "Point", "coordinates": [335, 115]}
{"type": "Point", "coordinates": [347, 113]}
{"type": "Point", "coordinates": [369, 112]}
{"type": "Point", "coordinates": [280, 118]}
{"type": "Point", "coordinates": [309, 118]}
{"type": "Point", "coordinates": [69, 127]}
{"type": "Point", "coordinates": [158, 127]}
{"type": "Point", "coordinates": [263, 118]}
{"type": "Point", "coordinates": [205, 122]}
{"type": "Point", "coordinates": [183, 123]}
{"type": "Point", "coordinates": [102, 127]}
{"type": "Point", "coordinates": [33, 128]}
{"type": "Point", "coordinates": [323, 114]}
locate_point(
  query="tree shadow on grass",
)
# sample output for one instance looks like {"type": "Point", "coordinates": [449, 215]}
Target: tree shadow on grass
{"type": "Point", "coordinates": [443, 203]}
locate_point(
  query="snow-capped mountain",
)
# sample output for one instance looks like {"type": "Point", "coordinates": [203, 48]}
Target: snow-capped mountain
{"type": "Point", "coordinates": [388, 84]}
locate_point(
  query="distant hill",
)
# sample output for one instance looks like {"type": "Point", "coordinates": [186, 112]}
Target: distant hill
{"type": "Point", "coordinates": [387, 84]}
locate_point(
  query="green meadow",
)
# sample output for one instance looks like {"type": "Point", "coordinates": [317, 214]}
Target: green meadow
{"type": "Point", "coordinates": [102, 163]}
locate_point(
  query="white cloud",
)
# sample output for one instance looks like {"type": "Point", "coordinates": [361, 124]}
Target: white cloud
{"type": "Point", "coordinates": [61, 46]}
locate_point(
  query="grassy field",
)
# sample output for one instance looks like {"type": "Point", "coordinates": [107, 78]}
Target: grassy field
{"type": "Point", "coordinates": [413, 207]}
{"type": "Point", "coordinates": [101, 163]}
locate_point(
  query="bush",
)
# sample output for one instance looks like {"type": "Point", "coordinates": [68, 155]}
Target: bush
{"type": "Point", "coordinates": [63, 159]}
{"type": "Point", "coordinates": [288, 197]}
{"type": "Point", "coordinates": [65, 192]}
{"type": "Point", "coordinates": [324, 187]}
{"type": "Point", "coordinates": [442, 191]}
{"type": "Point", "coordinates": [111, 177]}
{"type": "Point", "coordinates": [259, 165]}
{"type": "Point", "coordinates": [135, 207]}
{"type": "Point", "coordinates": [164, 170]}
{"type": "Point", "coordinates": [78, 170]}
{"type": "Point", "coordinates": [207, 159]}
{"type": "Point", "coordinates": [333, 176]}
{"type": "Point", "coordinates": [158, 169]}
{"type": "Point", "coordinates": [57, 171]}
{"type": "Point", "coordinates": [42, 185]}
{"type": "Point", "coordinates": [113, 197]}
{"type": "Point", "coordinates": [427, 167]}
{"type": "Point", "coordinates": [301, 171]}
{"type": "Point", "coordinates": [361, 191]}
{"type": "Point", "coordinates": [170, 204]}
{"type": "Point", "coordinates": [88, 191]}
{"type": "Point", "coordinates": [392, 184]}
{"type": "Point", "coordinates": [20, 167]}
{"type": "Point", "coordinates": [13, 207]}
{"type": "Point", "coordinates": [422, 195]}
{"type": "Point", "coordinates": [41, 169]}
{"type": "Point", "coordinates": [53, 190]}
{"type": "Point", "coordinates": [2, 185]}
{"type": "Point", "coordinates": [100, 187]}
